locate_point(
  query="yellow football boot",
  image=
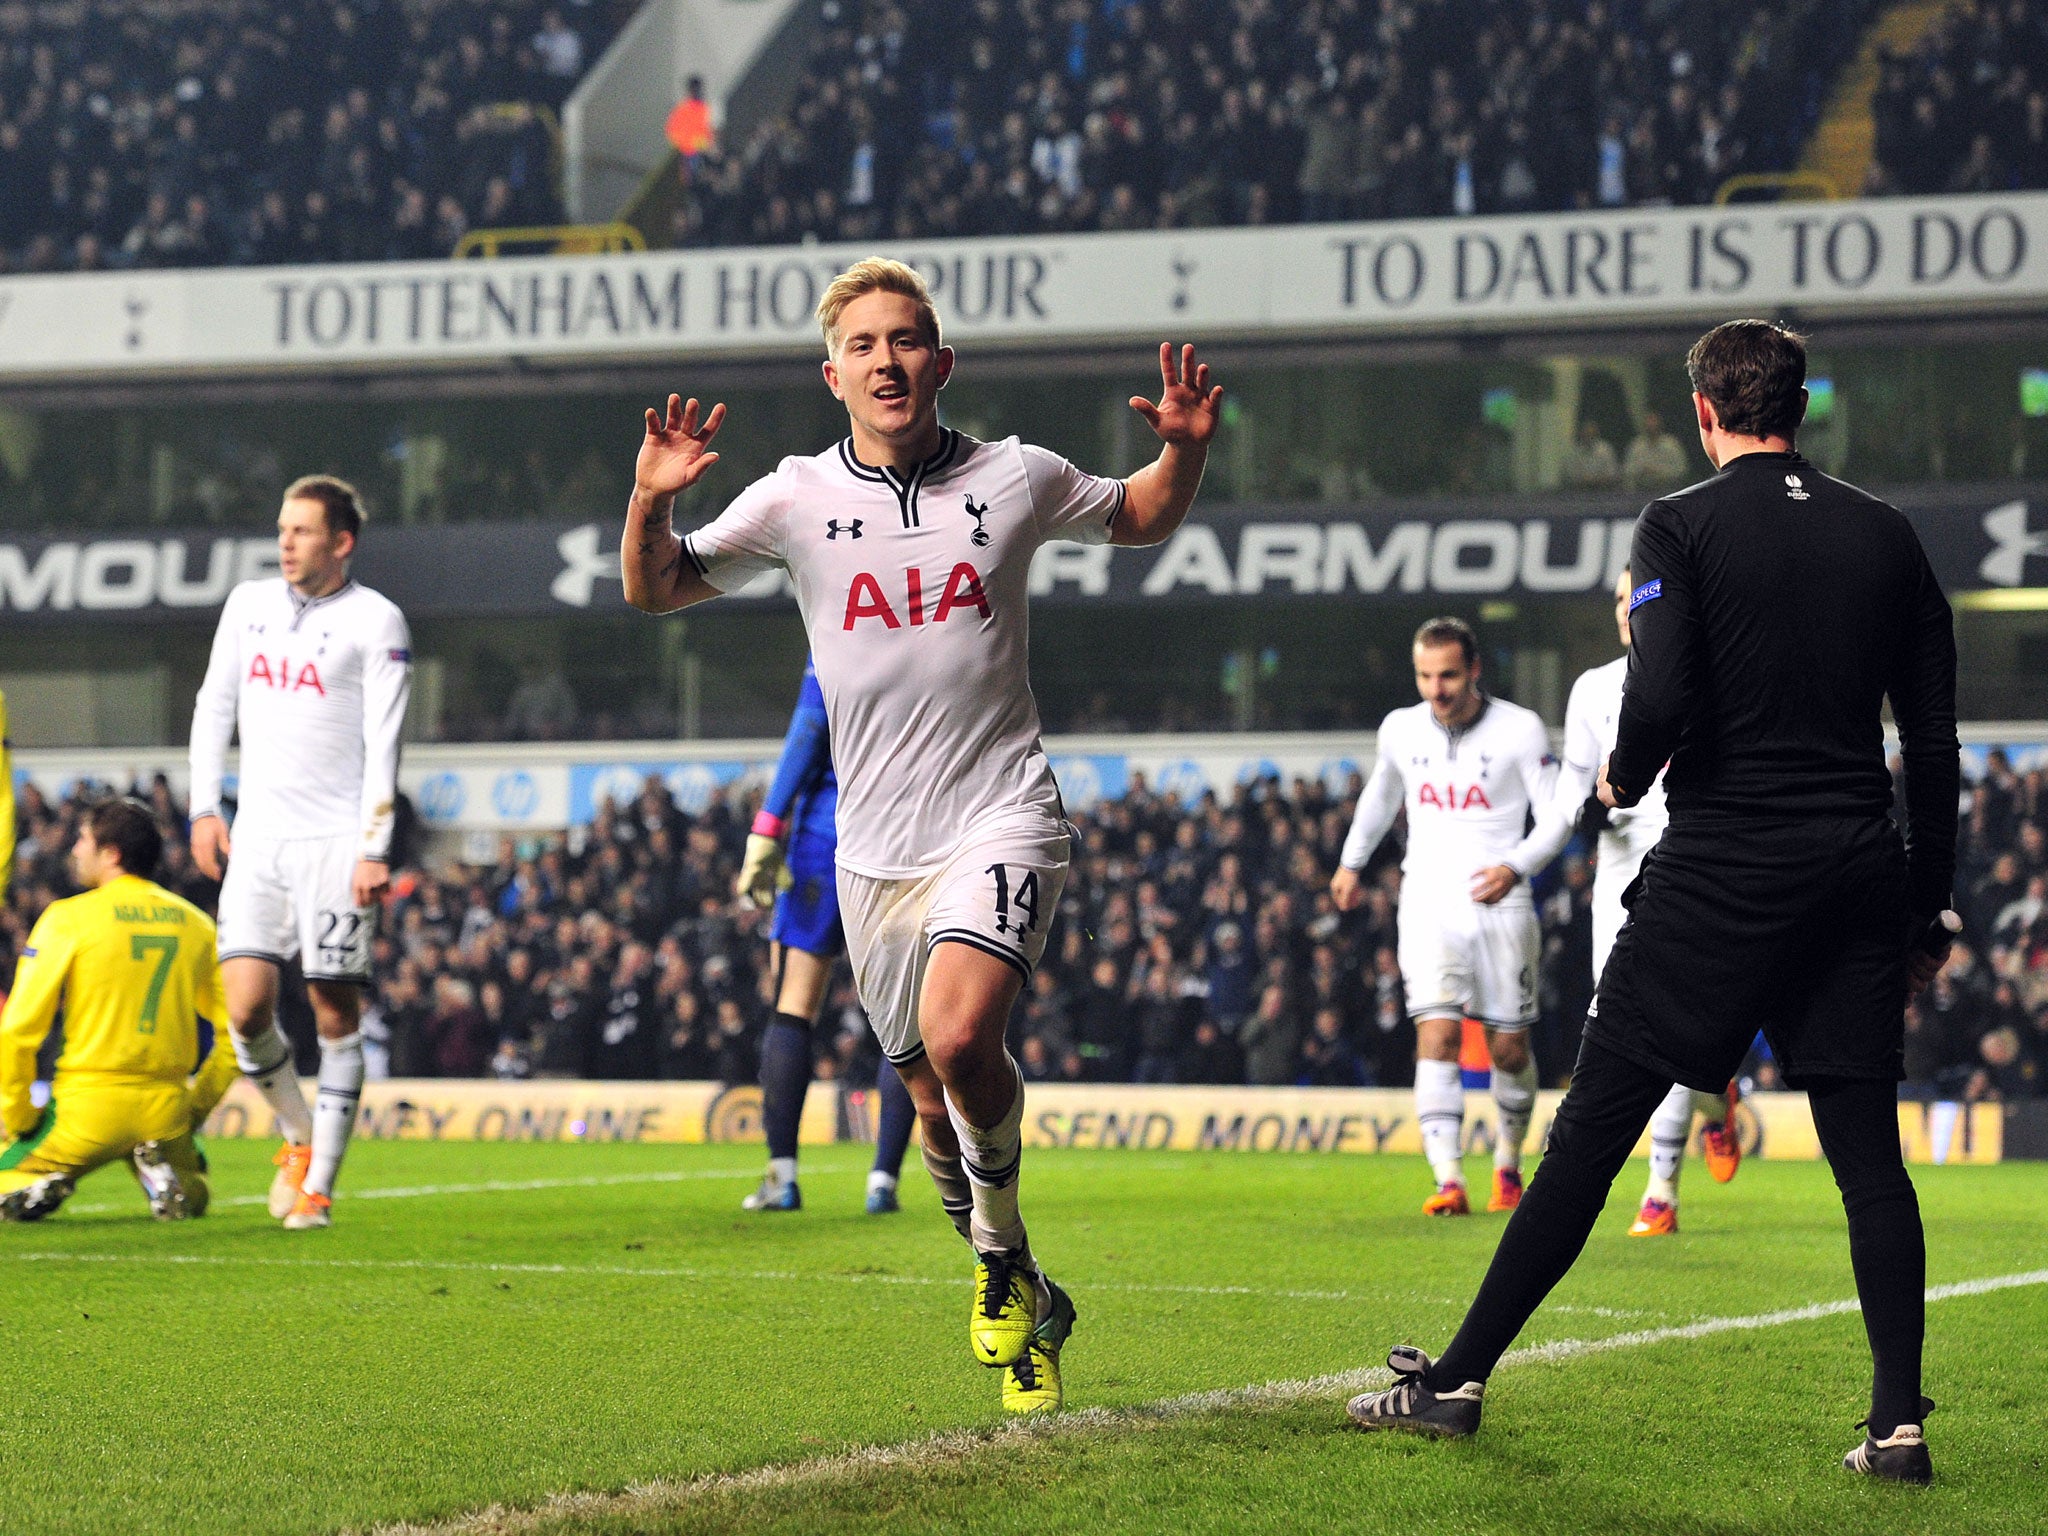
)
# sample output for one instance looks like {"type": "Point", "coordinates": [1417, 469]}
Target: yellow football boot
{"type": "Point", "coordinates": [1032, 1384]}
{"type": "Point", "coordinates": [1005, 1310]}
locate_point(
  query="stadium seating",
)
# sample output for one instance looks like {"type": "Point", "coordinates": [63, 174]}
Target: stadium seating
{"type": "Point", "coordinates": [1195, 944]}
{"type": "Point", "coordinates": [916, 118]}
{"type": "Point", "coordinates": [934, 117]}
{"type": "Point", "coordinates": [1968, 110]}
{"type": "Point", "coordinates": [161, 133]}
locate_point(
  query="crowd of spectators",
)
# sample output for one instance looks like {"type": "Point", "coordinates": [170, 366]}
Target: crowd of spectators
{"type": "Point", "coordinates": [1194, 943]}
{"type": "Point", "coordinates": [921, 118]}
{"type": "Point", "coordinates": [1967, 110]}
{"type": "Point", "coordinates": [166, 133]}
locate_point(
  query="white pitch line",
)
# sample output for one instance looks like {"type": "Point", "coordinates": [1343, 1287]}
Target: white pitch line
{"type": "Point", "coordinates": [681, 1272]}
{"type": "Point", "coordinates": [488, 1187]}
{"type": "Point", "coordinates": [667, 1494]}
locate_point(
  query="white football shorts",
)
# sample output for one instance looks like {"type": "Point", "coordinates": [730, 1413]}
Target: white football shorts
{"type": "Point", "coordinates": [997, 893]}
{"type": "Point", "coordinates": [1459, 958]}
{"type": "Point", "coordinates": [1621, 858]}
{"type": "Point", "coordinates": [295, 896]}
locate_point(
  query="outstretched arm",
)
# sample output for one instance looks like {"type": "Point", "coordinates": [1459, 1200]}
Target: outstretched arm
{"type": "Point", "coordinates": [1157, 497]}
{"type": "Point", "coordinates": [673, 457]}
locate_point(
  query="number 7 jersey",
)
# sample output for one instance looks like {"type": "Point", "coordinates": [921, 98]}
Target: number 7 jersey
{"type": "Point", "coordinates": [133, 968]}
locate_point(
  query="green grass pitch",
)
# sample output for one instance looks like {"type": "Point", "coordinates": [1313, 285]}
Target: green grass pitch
{"type": "Point", "coordinates": [506, 1325]}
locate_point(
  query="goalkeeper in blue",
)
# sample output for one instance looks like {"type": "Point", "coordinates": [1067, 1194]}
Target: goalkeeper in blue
{"type": "Point", "coordinates": [790, 862]}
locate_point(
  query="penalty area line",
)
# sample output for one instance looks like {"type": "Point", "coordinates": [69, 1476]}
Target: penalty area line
{"type": "Point", "coordinates": [672, 1494]}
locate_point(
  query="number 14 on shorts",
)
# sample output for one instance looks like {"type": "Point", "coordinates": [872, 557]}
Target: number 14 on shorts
{"type": "Point", "coordinates": [1016, 910]}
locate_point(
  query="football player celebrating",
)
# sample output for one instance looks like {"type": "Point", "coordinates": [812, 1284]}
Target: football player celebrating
{"type": "Point", "coordinates": [1474, 770]}
{"type": "Point", "coordinates": [909, 546]}
{"type": "Point", "coordinates": [315, 668]}
{"type": "Point", "coordinates": [1590, 722]}
{"type": "Point", "coordinates": [789, 865]}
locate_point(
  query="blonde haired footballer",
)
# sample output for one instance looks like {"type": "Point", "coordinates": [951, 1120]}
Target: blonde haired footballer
{"type": "Point", "coordinates": [133, 968]}
{"type": "Point", "coordinates": [909, 546]}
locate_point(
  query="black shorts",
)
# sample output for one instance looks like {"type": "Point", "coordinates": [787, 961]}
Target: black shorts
{"type": "Point", "coordinates": [1797, 928]}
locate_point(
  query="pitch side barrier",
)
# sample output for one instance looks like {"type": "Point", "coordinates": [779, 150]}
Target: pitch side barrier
{"type": "Point", "coordinates": [1097, 1116]}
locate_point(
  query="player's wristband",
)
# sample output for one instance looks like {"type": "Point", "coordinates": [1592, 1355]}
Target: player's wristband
{"type": "Point", "coordinates": [768, 824]}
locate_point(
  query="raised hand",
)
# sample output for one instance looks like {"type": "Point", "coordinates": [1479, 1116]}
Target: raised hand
{"type": "Point", "coordinates": [1189, 406]}
{"type": "Point", "coordinates": [673, 457]}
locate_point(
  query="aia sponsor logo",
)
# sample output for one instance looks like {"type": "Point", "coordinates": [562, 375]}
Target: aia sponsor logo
{"type": "Point", "coordinates": [865, 599]}
{"type": "Point", "coordinates": [283, 676]}
{"type": "Point", "coordinates": [1451, 798]}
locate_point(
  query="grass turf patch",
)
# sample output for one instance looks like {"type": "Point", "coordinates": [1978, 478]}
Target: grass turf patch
{"type": "Point", "coordinates": [619, 1320]}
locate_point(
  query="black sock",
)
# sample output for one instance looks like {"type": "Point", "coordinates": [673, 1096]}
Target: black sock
{"type": "Point", "coordinates": [1597, 1126]}
{"type": "Point", "coordinates": [892, 1127]}
{"type": "Point", "coordinates": [1858, 1124]}
{"type": "Point", "coordinates": [785, 1078]}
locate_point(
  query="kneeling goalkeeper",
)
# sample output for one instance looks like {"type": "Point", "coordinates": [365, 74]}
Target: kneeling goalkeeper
{"type": "Point", "coordinates": [145, 1060]}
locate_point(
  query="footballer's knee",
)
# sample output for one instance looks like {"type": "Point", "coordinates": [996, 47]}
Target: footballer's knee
{"type": "Point", "coordinates": [1510, 1049]}
{"type": "Point", "coordinates": [1438, 1038]}
{"type": "Point", "coordinates": [337, 1008]}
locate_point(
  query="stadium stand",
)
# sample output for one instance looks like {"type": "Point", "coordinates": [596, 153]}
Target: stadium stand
{"type": "Point", "coordinates": [929, 117]}
{"type": "Point", "coordinates": [165, 133]}
{"type": "Point", "coordinates": [151, 133]}
{"type": "Point", "coordinates": [1967, 110]}
{"type": "Point", "coordinates": [1196, 944]}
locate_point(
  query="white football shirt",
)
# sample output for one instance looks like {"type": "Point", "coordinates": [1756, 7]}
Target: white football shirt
{"type": "Point", "coordinates": [319, 689]}
{"type": "Point", "coordinates": [915, 592]}
{"type": "Point", "coordinates": [1592, 718]}
{"type": "Point", "coordinates": [1469, 796]}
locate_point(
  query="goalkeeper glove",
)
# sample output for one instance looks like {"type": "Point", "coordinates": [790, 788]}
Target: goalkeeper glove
{"type": "Point", "coordinates": [762, 872]}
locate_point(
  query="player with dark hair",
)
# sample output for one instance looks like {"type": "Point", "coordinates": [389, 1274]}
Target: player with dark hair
{"type": "Point", "coordinates": [145, 1058]}
{"type": "Point", "coordinates": [314, 670]}
{"type": "Point", "coordinates": [790, 864]}
{"type": "Point", "coordinates": [1473, 772]}
{"type": "Point", "coordinates": [1775, 613]}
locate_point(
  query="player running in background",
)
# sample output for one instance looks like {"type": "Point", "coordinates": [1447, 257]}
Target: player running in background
{"type": "Point", "coordinates": [1473, 770]}
{"type": "Point", "coordinates": [790, 864]}
{"type": "Point", "coordinates": [133, 969]}
{"type": "Point", "coordinates": [1590, 722]}
{"type": "Point", "coordinates": [909, 546]}
{"type": "Point", "coordinates": [316, 669]}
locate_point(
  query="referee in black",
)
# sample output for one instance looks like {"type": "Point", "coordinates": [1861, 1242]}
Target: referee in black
{"type": "Point", "coordinates": [1775, 611]}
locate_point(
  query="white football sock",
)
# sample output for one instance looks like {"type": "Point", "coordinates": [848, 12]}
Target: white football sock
{"type": "Point", "coordinates": [1670, 1127]}
{"type": "Point", "coordinates": [1440, 1111]}
{"type": "Point", "coordinates": [782, 1169]}
{"type": "Point", "coordinates": [1514, 1093]}
{"type": "Point", "coordinates": [266, 1060]}
{"type": "Point", "coordinates": [992, 1157]}
{"type": "Point", "coordinates": [956, 1195]}
{"type": "Point", "coordinates": [334, 1109]}
{"type": "Point", "coordinates": [880, 1180]}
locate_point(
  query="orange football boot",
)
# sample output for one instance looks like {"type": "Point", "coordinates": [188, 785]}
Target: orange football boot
{"type": "Point", "coordinates": [1721, 1145]}
{"type": "Point", "coordinates": [1507, 1189]}
{"type": "Point", "coordinates": [1656, 1219]}
{"type": "Point", "coordinates": [311, 1211]}
{"type": "Point", "coordinates": [292, 1161]}
{"type": "Point", "coordinates": [1449, 1200]}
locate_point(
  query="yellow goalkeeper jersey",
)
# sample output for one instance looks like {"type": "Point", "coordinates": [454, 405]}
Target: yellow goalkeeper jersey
{"type": "Point", "coordinates": [134, 970]}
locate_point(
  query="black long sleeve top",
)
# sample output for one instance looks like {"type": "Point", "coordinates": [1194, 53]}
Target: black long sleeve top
{"type": "Point", "coordinates": [1774, 611]}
